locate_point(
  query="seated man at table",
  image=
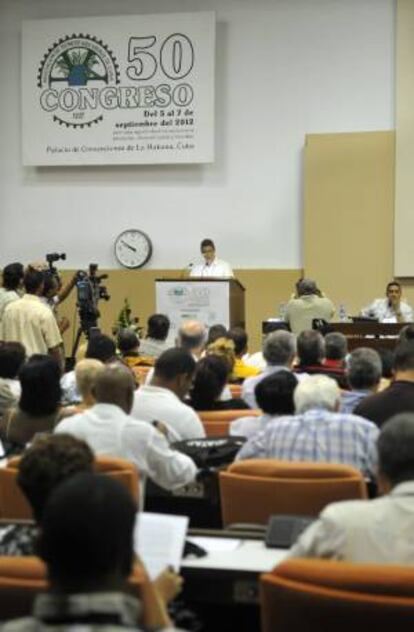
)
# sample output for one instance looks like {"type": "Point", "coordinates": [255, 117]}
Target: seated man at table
{"type": "Point", "coordinates": [308, 306]}
{"type": "Point", "coordinates": [379, 530]}
{"type": "Point", "coordinates": [390, 309]}
{"type": "Point", "coordinates": [317, 432]}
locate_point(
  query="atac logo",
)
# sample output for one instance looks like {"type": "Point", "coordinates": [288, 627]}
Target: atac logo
{"type": "Point", "coordinates": [76, 76]}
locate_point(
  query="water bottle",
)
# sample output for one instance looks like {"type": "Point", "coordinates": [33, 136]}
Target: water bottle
{"type": "Point", "coordinates": [282, 311]}
{"type": "Point", "coordinates": [343, 317]}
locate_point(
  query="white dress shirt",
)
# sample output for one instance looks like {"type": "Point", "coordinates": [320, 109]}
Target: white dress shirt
{"type": "Point", "coordinates": [367, 531]}
{"type": "Point", "coordinates": [108, 430]}
{"type": "Point", "coordinates": [217, 268]}
{"type": "Point", "coordinates": [383, 311]}
{"type": "Point", "coordinates": [153, 403]}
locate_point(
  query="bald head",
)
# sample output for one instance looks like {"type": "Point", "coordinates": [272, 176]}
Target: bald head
{"type": "Point", "coordinates": [115, 385]}
{"type": "Point", "coordinates": [192, 336]}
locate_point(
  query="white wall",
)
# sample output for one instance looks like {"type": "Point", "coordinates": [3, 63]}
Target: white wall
{"type": "Point", "coordinates": [284, 68]}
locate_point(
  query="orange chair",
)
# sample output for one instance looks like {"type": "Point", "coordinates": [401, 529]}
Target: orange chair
{"type": "Point", "coordinates": [141, 373]}
{"type": "Point", "coordinates": [254, 489]}
{"type": "Point", "coordinates": [14, 506]}
{"type": "Point", "coordinates": [216, 422]}
{"type": "Point", "coordinates": [321, 596]}
{"type": "Point", "coordinates": [22, 578]}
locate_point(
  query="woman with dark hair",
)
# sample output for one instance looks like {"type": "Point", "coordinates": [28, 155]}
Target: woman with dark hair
{"type": "Point", "coordinates": [209, 381]}
{"type": "Point", "coordinates": [39, 408]}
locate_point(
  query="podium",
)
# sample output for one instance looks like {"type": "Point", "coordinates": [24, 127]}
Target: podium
{"type": "Point", "coordinates": [211, 301]}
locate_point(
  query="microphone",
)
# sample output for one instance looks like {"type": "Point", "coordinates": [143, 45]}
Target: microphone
{"type": "Point", "coordinates": [186, 271]}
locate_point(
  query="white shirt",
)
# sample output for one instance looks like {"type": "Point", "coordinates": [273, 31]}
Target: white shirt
{"type": "Point", "coordinates": [6, 297]}
{"type": "Point", "coordinates": [368, 531]}
{"type": "Point", "coordinates": [153, 403]}
{"type": "Point", "coordinates": [383, 311]}
{"type": "Point", "coordinates": [248, 426]}
{"type": "Point", "coordinates": [108, 430]}
{"type": "Point", "coordinates": [217, 268]}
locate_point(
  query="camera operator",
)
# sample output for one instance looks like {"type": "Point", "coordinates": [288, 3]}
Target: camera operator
{"type": "Point", "coordinates": [12, 285]}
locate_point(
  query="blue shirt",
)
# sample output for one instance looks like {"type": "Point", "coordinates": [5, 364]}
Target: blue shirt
{"type": "Point", "coordinates": [317, 435]}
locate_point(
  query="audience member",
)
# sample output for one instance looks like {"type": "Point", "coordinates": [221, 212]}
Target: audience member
{"type": "Point", "coordinates": [317, 432]}
{"type": "Point", "coordinates": [406, 333]}
{"type": "Point", "coordinates": [224, 349]}
{"type": "Point", "coordinates": [311, 357]}
{"type": "Point", "coordinates": [45, 464]}
{"type": "Point", "coordinates": [129, 345]}
{"type": "Point", "coordinates": [372, 531]}
{"type": "Point", "coordinates": [87, 542]}
{"type": "Point", "coordinates": [39, 407]}
{"type": "Point", "coordinates": [109, 429]}
{"type": "Point", "coordinates": [241, 370]}
{"type": "Point", "coordinates": [336, 350]}
{"type": "Point", "coordinates": [100, 347]}
{"type": "Point", "coordinates": [364, 375]}
{"type": "Point", "coordinates": [161, 400]}
{"type": "Point", "coordinates": [155, 342]}
{"type": "Point", "coordinates": [29, 321]}
{"type": "Point", "coordinates": [274, 396]}
{"type": "Point", "coordinates": [209, 381]}
{"type": "Point", "coordinates": [192, 336]}
{"type": "Point", "coordinates": [391, 308]}
{"type": "Point", "coordinates": [399, 396]}
{"type": "Point", "coordinates": [308, 306]}
{"type": "Point", "coordinates": [86, 372]}
{"type": "Point", "coordinates": [216, 331]}
{"type": "Point", "coordinates": [279, 348]}
{"type": "Point", "coordinates": [12, 284]}
{"type": "Point", "coordinates": [12, 358]}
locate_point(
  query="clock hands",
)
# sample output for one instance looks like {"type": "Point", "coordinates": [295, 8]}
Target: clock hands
{"type": "Point", "coordinates": [128, 245]}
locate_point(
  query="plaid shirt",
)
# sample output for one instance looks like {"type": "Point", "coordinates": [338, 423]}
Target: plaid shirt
{"type": "Point", "coordinates": [317, 435]}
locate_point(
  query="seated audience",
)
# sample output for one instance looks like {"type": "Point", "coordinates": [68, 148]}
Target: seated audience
{"type": "Point", "coordinates": [241, 370]}
{"type": "Point", "coordinates": [192, 336]}
{"type": "Point", "coordinates": [45, 464]}
{"type": "Point", "coordinates": [317, 432]}
{"type": "Point", "coordinates": [13, 275]}
{"type": "Point", "coordinates": [364, 375]}
{"type": "Point", "coordinates": [274, 396]}
{"type": "Point", "coordinates": [100, 347]}
{"type": "Point", "coordinates": [279, 348]}
{"type": "Point", "coordinates": [308, 306]}
{"type": "Point", "coordinates": [372, 531]}
{"type": "Point", "coordinates": [155, 342]}
{"type": "Point", "coordinates": [39, 407]}
{"type": "Point", "coordinates": [87, 543]}
{"type": "Point", "coordinates": [86, 372]}
{"type": "Point", "coordinates": [399, 396]}
{"type": "Point", "coordinates": [336, 350]}
{"type": "Point", "coordinates": [223, 348]}
{"type": "Point", "coordinates": [406, 333]}
{"type": "Point", "coordinates": [161, 400]}
{"type": "Point", "coordinates": [129, 345]}
{"type": "Point", "coordinates": [109, 429]}
{"type": "Point", "coordinates": [216, 331]}
{"type": "Point", "coordinates": [209, 381]}
{"type": "Point", "coordinates": [311, 357]}
{"type": "Point", "coordinates": [12, 357]}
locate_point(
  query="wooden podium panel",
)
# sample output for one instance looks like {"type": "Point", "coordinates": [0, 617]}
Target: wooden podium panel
{"type": "Point", "coordinates": [211, 301]}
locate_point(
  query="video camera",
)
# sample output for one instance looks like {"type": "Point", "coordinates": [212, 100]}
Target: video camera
{"type": "Point", "coordinates": [51, 258]}
{"type": "Point", "coordinates": [90, 292]}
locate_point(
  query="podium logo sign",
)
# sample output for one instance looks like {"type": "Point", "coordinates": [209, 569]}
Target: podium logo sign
{"type": "Point", "coordinates": [131, 89]}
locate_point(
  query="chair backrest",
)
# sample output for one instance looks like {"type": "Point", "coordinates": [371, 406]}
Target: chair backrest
{"type": "Point", "coordinates": [22, 578]}
{"type": "Point", "coordinates": [228, 415]}
{"type": "Point", "coordinates": [321, 595]}
{"type": "Point", "coordinates": [14, 506]}
{"type": "Point", "coordinates": [254, 489]}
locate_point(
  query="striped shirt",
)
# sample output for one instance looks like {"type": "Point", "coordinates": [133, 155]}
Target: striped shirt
{"type": "Point", "coordinates": [317, 435]}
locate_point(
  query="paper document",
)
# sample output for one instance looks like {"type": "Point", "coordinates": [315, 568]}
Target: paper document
{"type": "Point", "coordinates": [212, 545]}
{"type": "Point", "coordinates": [159, 541]}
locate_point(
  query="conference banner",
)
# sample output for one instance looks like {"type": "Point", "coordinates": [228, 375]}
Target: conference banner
{"type": "Point", "coordinates": [135, 89]}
